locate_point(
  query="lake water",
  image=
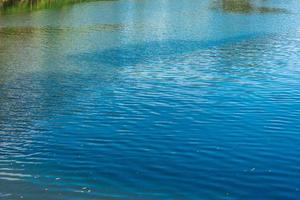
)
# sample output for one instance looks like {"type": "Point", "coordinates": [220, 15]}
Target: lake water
{"type": "Point", "coordinates": [151, 100]}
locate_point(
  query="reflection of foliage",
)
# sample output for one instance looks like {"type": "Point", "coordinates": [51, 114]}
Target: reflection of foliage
{"type": "Point", "coordinates": [23, 31]}
{"type": "Point", "coordinates": [236, 5]}
{"type": "Point", "coordinates": [244, 6]}
{"type": "Point", "coordinates": [81, 29]}
{"type": "Point", "coordinates": [29, 5]}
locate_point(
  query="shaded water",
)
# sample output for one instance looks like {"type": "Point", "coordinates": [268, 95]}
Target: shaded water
{"type": "Point", "coordinates": [15, 6]}
{"type": "Point", "coordinates": [143, 99]}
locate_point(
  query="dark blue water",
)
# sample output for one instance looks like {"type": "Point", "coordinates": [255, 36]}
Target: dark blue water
{"type": "Point", "coordinates": [150, 100]}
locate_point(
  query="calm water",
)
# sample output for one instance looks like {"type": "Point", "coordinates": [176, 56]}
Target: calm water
{"type": "Point", "coordinates": [150, 100]}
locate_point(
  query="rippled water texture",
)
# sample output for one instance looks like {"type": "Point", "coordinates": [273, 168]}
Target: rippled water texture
{"type": "Point", "coordinates": [148, 99]}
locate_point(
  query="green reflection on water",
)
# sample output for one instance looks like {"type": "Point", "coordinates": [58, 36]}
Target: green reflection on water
{"type": "Point", "coordinates": [15, 6]}
{"type": "Point", "coordinates": [82, 29]}
{"type": "Point", "coordinates": [244, 6]}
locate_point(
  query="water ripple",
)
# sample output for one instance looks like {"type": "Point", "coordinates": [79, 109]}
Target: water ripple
{"type": "Point", "coordinates": [113, 115]}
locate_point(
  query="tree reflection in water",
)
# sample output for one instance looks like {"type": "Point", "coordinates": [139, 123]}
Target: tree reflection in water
{"type": "Point", "coordinates": [244, 6]}
{"type": "Point", "coordinates": [12, 6]}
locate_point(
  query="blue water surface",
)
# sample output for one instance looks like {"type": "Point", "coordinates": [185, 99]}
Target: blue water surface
{"type": "Point", "coordinates": [150, 100]}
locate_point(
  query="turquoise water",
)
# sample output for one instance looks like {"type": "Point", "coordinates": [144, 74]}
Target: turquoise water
{"type": "Point", "coordinates": [148, 99]}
